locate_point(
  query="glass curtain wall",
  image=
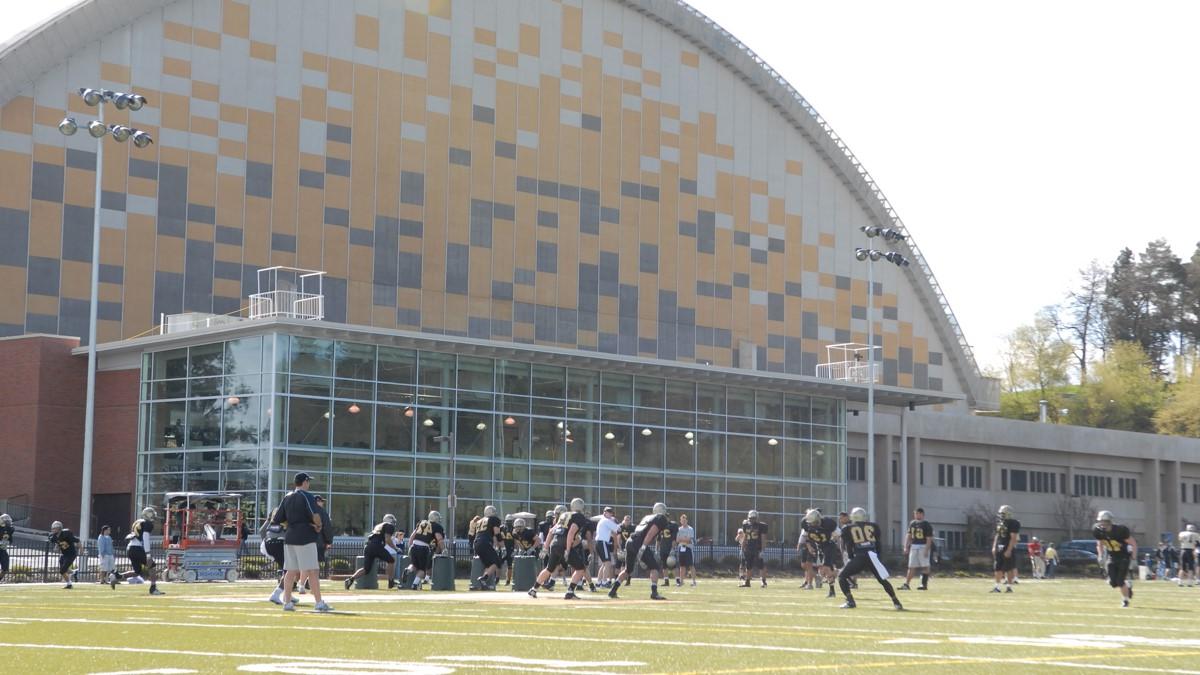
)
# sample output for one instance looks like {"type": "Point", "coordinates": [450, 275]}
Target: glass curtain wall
{"type": "Point", "coordinates": [377, 426]}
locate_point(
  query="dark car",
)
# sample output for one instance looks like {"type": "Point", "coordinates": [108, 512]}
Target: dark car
{"type": "Point", "coordinates": [1079, 545]}
{"type": "Point", "coordinates": [1075, 554]}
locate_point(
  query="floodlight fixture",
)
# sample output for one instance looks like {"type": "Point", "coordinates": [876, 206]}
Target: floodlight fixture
{"type": "Point", "coordinates": [97, 129]}
{"type": "Point", "coordinates": [68, 126]}
{"type": "Point", "coordinates": [120, 132]}
{"type": "Point", "coordinates": [92, 97]}
{"type": "Point", "coordinates": [141, 139]}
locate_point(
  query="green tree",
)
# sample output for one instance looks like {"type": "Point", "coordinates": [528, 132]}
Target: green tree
{"type": "Point", "coordinates": [1180, 414]}
{"type": "Point", "coordinates": [1080, 320]}
{"type": "Point", "coordinates": [1143, 300]}
{"type": "Point", "coordinates": [1037, 367]}
{"type": "Point", "coordinates": [1121, 392]}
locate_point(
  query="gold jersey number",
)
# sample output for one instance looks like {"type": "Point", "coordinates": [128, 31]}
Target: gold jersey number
{"type": "Point", "coordinates": [862, 535]}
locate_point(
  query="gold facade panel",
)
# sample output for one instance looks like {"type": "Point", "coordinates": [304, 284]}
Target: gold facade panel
{"type": "Point", "coordinates": [38, 304]}
{"type": "Point", "coordinates": [416, 33]}
{"type": "Point", "coordinates": [228, 148]}
{"type": "Point", "coordinates": [114, 72]}
{"type": "Point", "coordinates": [15, 169]}
{"type": "Point", "coordinates": [529, 40]}
{"type": "Point", "coordinates": [12, 295]}
{"type": "Point", "coordinates": [175, 111]}
{"type": "Point", "coordinates": [827, 239]}
{"type": "Point", "coordinates": [366, 32]}
{"type": "Point", "coordinates": [314, 61]}
{"type": "Point", "coordinates": [262, 51]}
{"type": "Point", "coordinates": [312, 103]}
{"type": "Point", "coordinates": [176, 67]}
{"type": "Point", "coordinates": [177, 32]}
{"type": "Point", "coordinates": [45, 228]}
{"type": "Point", "coordinates": [206, 38]}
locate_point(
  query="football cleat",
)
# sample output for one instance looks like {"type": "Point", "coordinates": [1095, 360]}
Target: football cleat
{"type": "Point", "coordinates": [655, 596]}
{"type": "Point", "coordinates": [904, 587]}
{"type": "Point", "coordinates": [612, 592]}
{"type": "Point", "coordinates": [570, 595]}
{"type": "Point", "coordinates": [897, 605]}
{"type": "Point", "coordinates": [1008, 589]}
{"type": "Point", "coordinates": [532, 592]}
{"type": "Point", "coordinates": [849, 604]}
{"type": "Point", "coordinates": [154, 591]}
{"type": "Point", "coordinates": [348, 582]}
{"type": "Point", "coordinates": [832, 594]}
{"type": "Point", "coordinates": [322, 607]}
{"type": "Point", "coordinates": [922, 588]}
{"type": "Point", "coordinates": [289, 607]}
{"type": "Point", "coordinates": [995, 589]}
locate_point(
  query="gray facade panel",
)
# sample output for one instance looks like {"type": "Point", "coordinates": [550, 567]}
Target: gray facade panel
{"type": "Point", "coordinates": [198, 275]}
{"type": "Point", "coordinates": [47, 182]}
{"type": "Point", "coordinates": [42, 276]}
{"type": "Point", "coordinates": [14, 236]}
{"type": "Point", "coordinates": [78, 222]}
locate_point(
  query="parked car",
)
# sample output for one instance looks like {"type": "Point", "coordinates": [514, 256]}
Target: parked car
{"type": "Point", "coordinates": [1076, 554]}
{"type": "Point", "coordinates": [1079, 545]}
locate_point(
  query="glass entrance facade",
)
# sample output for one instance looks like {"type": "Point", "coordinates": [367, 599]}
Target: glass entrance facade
{"type": "Point", "coordinates": [379, 427]}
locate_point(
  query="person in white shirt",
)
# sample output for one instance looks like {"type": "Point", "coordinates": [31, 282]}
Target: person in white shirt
{"type": "Point", "coordinates": [685, 540]}
{"type": "Point", "coordinates": [606, 527]}
{"type": "Point", "coordinates": [1188, 540]}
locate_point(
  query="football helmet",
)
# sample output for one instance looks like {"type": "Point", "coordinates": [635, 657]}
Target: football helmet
{"type": "Point", "coordinates": [435, 517]}
{"type": "Point", "coordinates": [752, 515]}
{"type": "Point", "coordinates": [519, 524]}
{"type": "Point", "coordinates": [489, 511]}
{"type": "Point", "coordinates": [578, 505]}
{"type": "Point", "coordinates": [659, 509]}
{"type": "Point", "coordinates": [149, 513]}
{"type": "Point", "coordinates": [1104, 517]}
{"type": "Point", "coordinates": [812, 517]}
{"type": "Point", "coordinates": [1004, 511]}
{"type": "Point", "coordinates": [559, 510]}
{"type": "Point", "coordinates": [56, 526]}
{"type": "Point", "coordinates": [550, 513]}
{"type": "Point", "coordinates": [389, 519]}
{"type": "Point", "coordinates": [858, 514]}
{"type": "Point", "coordinates": [5, 519]}
{"type": "Point", "coordinates": [1190, 527]}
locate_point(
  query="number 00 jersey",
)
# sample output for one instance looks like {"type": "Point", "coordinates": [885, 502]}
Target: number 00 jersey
{"type": "Point", "coordinates": [861, 537]}
{"type": "Point", "coordinates": [1113, 540]}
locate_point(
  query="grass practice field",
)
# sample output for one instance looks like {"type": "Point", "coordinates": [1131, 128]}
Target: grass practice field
{"type": "Point", "coordinates": [1045, 626]}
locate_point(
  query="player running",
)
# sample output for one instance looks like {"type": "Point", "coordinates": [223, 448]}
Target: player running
{"type": "Point", "coordinates": [65, 541]}
{"type": "Point", "coordinates": [821, 533]}
{"type": "Point", "coordinates": [863, 537]}
{"type": "Point", "coordinates": [751, 536]}
{"type": "Point", "coordinates": [641, 548]}
{"type": "Point", "coordinates": [1004, 543]}
{"type": "Point", "coordinates": [1188, 539]}
{"type": "Point", "coordinates": [1121, 548]}
{"type": "Point", "coordinates": [487, 535]}
{"type": "Point", "coordinates": [378, 547]}
{"type": "Point", "coordinates": [918, 546]}
{"type": "Point", "coordinates": [137, 548]}
{"type": "Point", "coordinates": [566, 549]}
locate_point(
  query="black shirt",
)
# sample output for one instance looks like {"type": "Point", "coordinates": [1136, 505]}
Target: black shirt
{"type": "Point", "coordinates": [861, 537]}
{"type": "Point", "coordinates": [525, 538]}
{"type": "Point", "coordinates": [140, 526]}
{"type": "Point", "coordinates": [382, 534]}
{"type": "Point", "coordinates": [326, 526]}
{"type": "Point", "coordinates": [1114, 540]}
{"type": "Point", "coordinates": [1004, 528]}
{"type": "Point", "coordinates": [666, 538]}
{"type": "Point", "coordinates": [920, 532]}
{"type": "Point", "coordinates": [423, 533]}
{"type": "Point", "coordinates": [6, 535]}
{"type": "Point", "coordinates": [545, 526]}
{"type": "Point", "coordinates": [65, 541]}
{"type": "Point", "coordinates": [487, 528]}
{"type": "Point", "coordinates": [653, 520]}
{"type": "Point", "coordinates": [626, 531]}
{"type": "Point", "coordinates": [506, 536]}
{"type": "Point", "coordinates": [297, 509]}
{"type": "Point", "coordinates": [438, 530]}
{"type": "Point", "coordinates": [821, 532]}
{"type": "Point", "coordinates": [756, 533]}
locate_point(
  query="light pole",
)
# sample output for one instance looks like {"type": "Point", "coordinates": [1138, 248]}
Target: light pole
{"type": "Point", "coordinates": [96, 98]}
{"type": "Point", "coordinates": [869, 256]}
{"type": "Point", "coordinates": [452, 498]}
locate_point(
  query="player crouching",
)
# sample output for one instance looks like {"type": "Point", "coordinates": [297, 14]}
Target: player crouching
{"type": "Point", "coordinates": [641, 549]}
{"type": "Point", "coordinates": [862, 536]}
{"type": "Point", "coordinates": [137, 548]}
{"type": "Point", "coordinates": [1121, 548]}
{"type": "Point", "coordinates": [378, 547]}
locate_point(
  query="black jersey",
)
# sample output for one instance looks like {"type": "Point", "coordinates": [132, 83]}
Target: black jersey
{"type": "Point", "coordinates": [382, 534]}
{"type": "Point", "coordinates": [6, 536]}
{"type": "Point", "coordinates": [920, 532]}
{"type": "Point", "coordinates": [437, 530]}
{"type": "Point", "coordinates": [587, 530]}
{"type": "Point", "coordinates": [507, 538]}
{"type": "Point", "coordinates": [861, 537]}
{"type": "Point", "coordinates": [755, 534]}
{"type": "Point", "coordinates": [1114, 540]}
{"type": "Point", "coordinates": [821, 532]}
{"type": "Point", "coordinates": [422, 534]}
{"type": "Point", "coordinates": [525, 538]}
{"type": "Point", "coordinates": [545, 526]}
{"type": "Point", "coordinates": [487, 528]}
{"type": "Point", "coordinates": [666, 538]}
{"type": "Point", "coordinates": [1005, 527]}
{"type": "Point", "coordinates": [653, 520]}
{"type": "Point", "coordinates": [64, 540]}
{"type": "Point", "coordinates": [558, 536]}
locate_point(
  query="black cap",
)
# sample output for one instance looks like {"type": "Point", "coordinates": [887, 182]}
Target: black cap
{"type": "Point", "coordinates": [301, 477]}
{"type": "Point", "coordinates": [318, 498]}
{"type": "Point", "coordinates": [607, 509]}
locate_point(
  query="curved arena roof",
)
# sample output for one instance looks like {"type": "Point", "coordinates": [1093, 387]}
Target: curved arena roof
{"type": "Point", "coordinates": [36, 51]}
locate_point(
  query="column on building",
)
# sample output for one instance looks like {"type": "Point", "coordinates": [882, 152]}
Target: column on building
{"type": "Point", "coordinates": [1171, 497]}
{"type": "Point", "coordinates": [1152, 479]}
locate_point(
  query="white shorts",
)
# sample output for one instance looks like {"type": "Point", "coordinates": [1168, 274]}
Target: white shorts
{"type": "Point", "coordinates": [107, 563]}
{"type": "Point", "coordinates": [302, 558]}
{"type": "Point", "coordinates": [918, 556]}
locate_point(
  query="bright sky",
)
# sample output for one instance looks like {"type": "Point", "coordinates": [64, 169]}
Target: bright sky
{"type": "Point", "coordinates": [1017, 140]}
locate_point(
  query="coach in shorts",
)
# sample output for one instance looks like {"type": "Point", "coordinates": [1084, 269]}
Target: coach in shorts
{"type": "Point", "coordinates": [300, 542]}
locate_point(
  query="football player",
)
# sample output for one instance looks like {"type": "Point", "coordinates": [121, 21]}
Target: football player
{"type": "Point", "coordinates": [6, 535]}
{"type": "Point", "coordinates": [862, 536]}
{"type": "Point", "coordinates": [666, 544]}
{"type": "Point", "coordinates": [272, 545]}
{"type": "Point", "coordinates": [626, 533]}
{"type": "Point", "coordinates": [1004, 544]}
{"type": "Point", "coordinates": [1187, 554]}
{"type": "Point", "coordinates": [510, 545]}
{"type": "Point", "coordinates": [807, 553]}
{"type": "Point", "coordinates": [527, 538]}
{"type": "Point", "coordinates": [843, 546]}
{"type": "Point", "coordinates": [641, 549]}
{"type": "Point", "coordinates": [821, 531]}
{"type": "Point", "coordinates": [137, 548]}
{"type": "Point", "coordinates": [753, 534]}
{"type": "Point", "coordinates": [425, 541]}
{"type": "Point", "coordinates": [65, 541]}
{"type": "Point", "coordinates": [378, 547]}
{"type": "Point", "coordinates": [566, 549]}
{"type": "Point", "coordinates": [1118, 543]}
{"type": "Point", "coordinates": [918, 546]}
{"type": "Point", "coordinates": [487, 533]}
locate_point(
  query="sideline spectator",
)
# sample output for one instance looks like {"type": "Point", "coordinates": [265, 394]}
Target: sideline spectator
{"type": "Point", "coordinates": [300, 542]}
{"type": "Point", "coordinates": [1051, 561]}
{"type": "Point", "coordinates": [108, 557]}
{"type": "Point", "coordinates": [686, 540]}
{"type": "Point", "coordinates": [1035, 559]}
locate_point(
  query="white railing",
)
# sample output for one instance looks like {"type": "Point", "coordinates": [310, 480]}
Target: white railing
{"type": "Point", "coordinates": [849, 371]}
{"type": "Point", "coordinates": [871, 185]}
{"type": "Point", "coordinates": [287, 304]}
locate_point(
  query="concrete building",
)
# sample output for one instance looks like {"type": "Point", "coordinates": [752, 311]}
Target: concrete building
{"type": "Point", "coordinates": [601, 217]}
